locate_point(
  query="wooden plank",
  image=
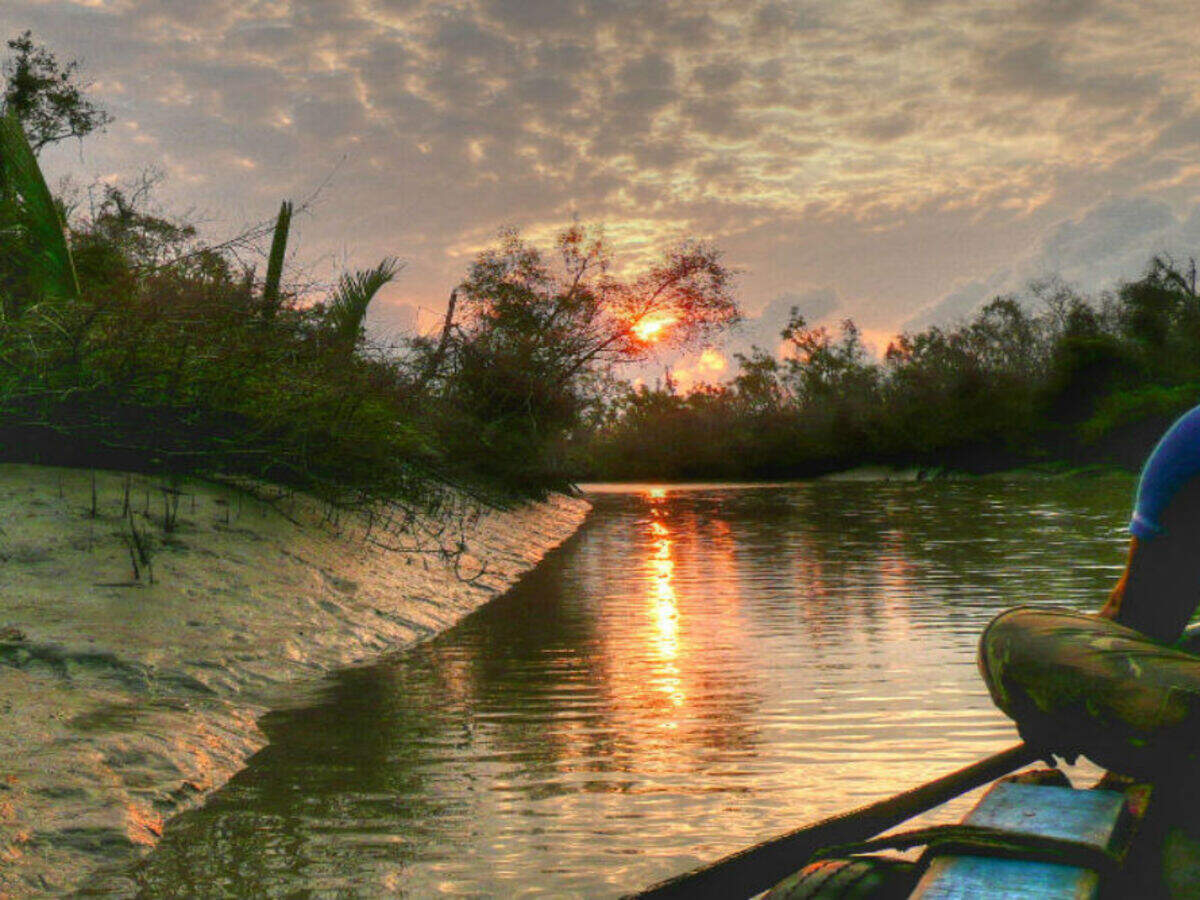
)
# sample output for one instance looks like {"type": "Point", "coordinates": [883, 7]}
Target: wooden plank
{"type": "Point", "coordinates": [1062, 812]}
{"type": "Point", "coordinates": [970, 877]}
{"type": "Point", "coordinates": [1095, 817]}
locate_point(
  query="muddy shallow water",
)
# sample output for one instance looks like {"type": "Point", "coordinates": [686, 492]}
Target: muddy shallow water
{"type": "Point", "coordinates": [696, 670]}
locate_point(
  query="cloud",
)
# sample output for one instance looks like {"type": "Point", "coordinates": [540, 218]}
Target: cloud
{"type": "Point", "coordinates": [1057, 12]}
{"type": "Point", "coordinates": [960, 303]}
{"type": "Point", "coordinates": [781, 21]}
{"type": "Point", "coordinates": [1039, 66]}
{"type": "Point", "coordinates": [390, 321]}
{"type": "Point", "coordinates": [539, 15]}
{"type": "Point", "coordinates": [1110, 242]}
{"type": "Point", "coordinates": [709, 366]}
{"type": "Point", "coordinates": [901, 154]}
{"type": "Point", "coordinates": [646, 84]}
{"type": "Point", "coordinates": [886, 128]}
{"type": "Point", "coordinates": [718, 77]}
{"type": "Point", "coordinates": [763, 330]}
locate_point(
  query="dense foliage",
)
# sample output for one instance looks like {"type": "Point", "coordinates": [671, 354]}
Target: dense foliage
{"type": "Point", "coordinates": [161, 356]}
{"type": "Point", "coordinates": [126, 342]}
{"type": "Point", "coordinates": [1049, 377]}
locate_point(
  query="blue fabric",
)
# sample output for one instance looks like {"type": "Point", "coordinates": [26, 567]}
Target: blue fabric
{"type": "Point", "coordinates": [1174, 462]}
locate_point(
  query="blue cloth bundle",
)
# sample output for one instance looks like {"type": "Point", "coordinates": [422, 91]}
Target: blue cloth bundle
{"type": "Point", "coordinates": [1174, 461]}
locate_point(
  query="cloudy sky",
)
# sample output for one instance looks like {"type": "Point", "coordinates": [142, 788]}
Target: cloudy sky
{"type": "Point", "coordinates": [894, 160]}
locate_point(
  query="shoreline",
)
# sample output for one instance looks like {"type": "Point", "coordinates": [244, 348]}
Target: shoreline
{"type": "Point", "coordinates": [865, 473]}
{"type": "Point", "coordinates": [145, 631]}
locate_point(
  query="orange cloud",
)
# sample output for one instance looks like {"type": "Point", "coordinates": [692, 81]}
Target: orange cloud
{"type": "Point", "coordinates": [709, 367]}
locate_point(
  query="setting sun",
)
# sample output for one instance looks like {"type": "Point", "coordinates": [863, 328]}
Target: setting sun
{"type": "Point", "coordinates": [650, 330]}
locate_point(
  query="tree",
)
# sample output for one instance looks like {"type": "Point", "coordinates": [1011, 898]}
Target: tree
{"type": "Point", "coordinates": [123, 219]}
{"type": "Point", "coordinates": [757, 382]}
{"type": "Point", "coordinates": [47, 97]}
{"type": "Point", "coordinates": [536, 335]}
{"type": "Point", "coordinates": [576, 315]}
{"type": "Point", "coordinates": [823, 369]}
{"type": "Point", "coordinates": [1150, 306]}
{"type": "Point", "coordinates": [1005, 338]}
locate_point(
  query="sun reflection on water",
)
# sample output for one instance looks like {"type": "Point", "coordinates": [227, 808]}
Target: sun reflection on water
{"type": "Point", "coordinates": [664, 603]}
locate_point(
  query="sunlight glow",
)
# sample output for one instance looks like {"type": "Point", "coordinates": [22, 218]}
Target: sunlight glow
{"type": "Point", "coordinates": [652, 329]}
{"type": "Point", "coordinates": [693, 371]}
{"type": "Point", "coordinates": [665, 607]}
{"type": "Point", "coordinates": [712, 361]}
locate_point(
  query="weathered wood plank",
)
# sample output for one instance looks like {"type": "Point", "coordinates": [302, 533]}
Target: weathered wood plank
{"type": "Point", "coordinates": [1087, 816]}
{"type": "Point", "coordinates": [1094, 817]}
{"type": "Point", "coordinates": [972, 877]}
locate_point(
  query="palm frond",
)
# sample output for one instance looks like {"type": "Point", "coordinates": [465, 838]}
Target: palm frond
{"type": "Point", "coordinates": [347, 305]}
{"type": "Point", "coordinates": [31, 207]}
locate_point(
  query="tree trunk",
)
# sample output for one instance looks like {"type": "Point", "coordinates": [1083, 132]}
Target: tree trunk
{"type": "Point", "coordinates": [435, 361]}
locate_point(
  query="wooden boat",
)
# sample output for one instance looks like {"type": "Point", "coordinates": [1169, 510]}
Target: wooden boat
{"type": "Point", "coordinates": [1072, 683]}
{"type": "Point", "coordinates": [1031, 835]}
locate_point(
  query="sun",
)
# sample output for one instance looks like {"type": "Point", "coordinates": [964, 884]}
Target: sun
{"type": "Point", "coordinates": [651, 330]}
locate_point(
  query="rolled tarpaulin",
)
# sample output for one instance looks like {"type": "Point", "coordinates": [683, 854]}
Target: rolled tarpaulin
{"type": "Point", "coordinates": [1174, 462]}
{"type": "Point", "coordinates": [1078, 683]}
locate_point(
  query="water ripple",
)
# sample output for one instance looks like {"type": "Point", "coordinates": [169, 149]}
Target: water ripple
{"type": "Point", "coordinates": [697, 670]}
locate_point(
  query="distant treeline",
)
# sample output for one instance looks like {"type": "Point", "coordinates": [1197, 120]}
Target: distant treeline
{"type": "Point", "coordinates": [1050, 377]}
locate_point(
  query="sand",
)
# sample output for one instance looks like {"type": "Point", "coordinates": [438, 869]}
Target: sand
{"type": "Point", "coordinates": [140, 643]}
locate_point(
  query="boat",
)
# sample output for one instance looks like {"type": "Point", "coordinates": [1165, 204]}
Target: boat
{"type": "Point", "coordinates": [1031, 835]}
{"type": "Point", "coordinates": [1073, 683]}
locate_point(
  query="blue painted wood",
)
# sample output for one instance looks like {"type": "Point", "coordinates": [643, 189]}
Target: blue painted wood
{"type": "Point", "coordinates": [977, 877]}
{"type": "Point", "coordinates": [1094, 817]}
{"type": "Point", "coordinates": [1051, 811]}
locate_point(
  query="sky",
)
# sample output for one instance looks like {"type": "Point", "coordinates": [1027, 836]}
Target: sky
{"type": "Point", "coordinates": [896, 161]}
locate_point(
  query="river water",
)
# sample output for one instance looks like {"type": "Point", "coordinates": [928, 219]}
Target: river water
{"type": "Point", "coordinates": [698, 669]}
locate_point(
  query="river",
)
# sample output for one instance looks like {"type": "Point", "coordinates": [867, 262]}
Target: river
{"type": "Point", "coordinates": [699, 668]}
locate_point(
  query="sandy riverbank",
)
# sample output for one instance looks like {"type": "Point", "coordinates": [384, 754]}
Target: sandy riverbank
{"type": "Point", "coordinates": [127, 696]}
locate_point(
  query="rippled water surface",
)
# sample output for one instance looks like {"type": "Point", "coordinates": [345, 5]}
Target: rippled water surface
{"type": "Point", "coordinates": [696, 670]}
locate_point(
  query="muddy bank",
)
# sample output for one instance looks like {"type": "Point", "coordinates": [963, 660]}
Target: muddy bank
{"type": "Point", "coordinates": [143, 632]}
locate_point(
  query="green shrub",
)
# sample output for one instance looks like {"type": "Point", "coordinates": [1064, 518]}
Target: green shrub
{"type": "Point", "coordinates": [1128, 407]}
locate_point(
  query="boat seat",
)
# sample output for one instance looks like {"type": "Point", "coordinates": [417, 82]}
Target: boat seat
{"type": "Point", "coordinates": [1094, 818]}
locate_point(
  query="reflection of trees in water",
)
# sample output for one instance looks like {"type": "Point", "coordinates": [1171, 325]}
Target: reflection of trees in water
{"type": "Point", "coordinates": [340, 796]}
{"type": "Point", "coordinates": [825, 553]}
{"type": "Point", "coordinates": [858, 552]}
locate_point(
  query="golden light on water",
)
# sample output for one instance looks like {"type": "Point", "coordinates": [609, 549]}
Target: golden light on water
{"type": "Point", "coordinates": [664, 604]}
